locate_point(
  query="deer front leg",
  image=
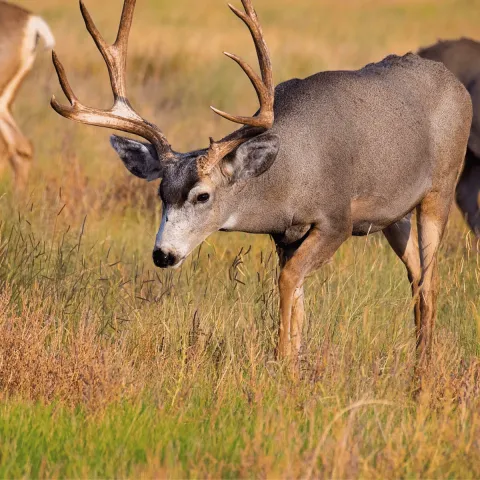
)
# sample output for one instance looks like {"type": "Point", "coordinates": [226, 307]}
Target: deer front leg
{"type": "Point", "coordinates": [315, 251]}
{"type": "Point", "coordinates": [294, 335]}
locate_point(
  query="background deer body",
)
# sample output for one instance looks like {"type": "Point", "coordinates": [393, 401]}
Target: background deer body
{"type": "Point", "coordinates": [462, 57]}
{"type": "Point", "coordinates": [20, 32]}
{"type": "Point", "coordinates": [349, 153]}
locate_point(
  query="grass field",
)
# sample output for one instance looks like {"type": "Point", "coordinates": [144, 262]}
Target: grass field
{"type": "Point", "coordinates": [110, 368]}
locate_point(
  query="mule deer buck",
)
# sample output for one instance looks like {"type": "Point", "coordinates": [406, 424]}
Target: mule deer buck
{"type": "Point", "coordinates": [334, 155]}
{"type": "Point", "coordinates": [462, 57]}
{"type": "Point", "coordinates": [20, 32]}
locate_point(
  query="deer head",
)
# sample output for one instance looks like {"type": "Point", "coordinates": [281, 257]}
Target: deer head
{"type": "Point", "coordinates": [197, 187]}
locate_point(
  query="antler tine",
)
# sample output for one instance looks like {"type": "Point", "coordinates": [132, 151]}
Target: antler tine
{"type": "Point", "coordinates": [62, 78]}
{"type": "Point", "coordinates": [259, 88]}
{"type": "Point", "coordinates": [115, 55]}
{"type": "Point", "coordinates": [101, 44]}
{"type": "Point", "coordinates": [253, 24]}
{"type": "Point", "coordinates": [125, 25]}
{"type": "Point", "coordinates": [264, 86]}
{"type": "Point", "coordinates": [121, 116]}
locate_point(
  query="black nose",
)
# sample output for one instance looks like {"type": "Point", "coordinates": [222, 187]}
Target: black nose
{"type": "Point", "coordinates": [162, 259]}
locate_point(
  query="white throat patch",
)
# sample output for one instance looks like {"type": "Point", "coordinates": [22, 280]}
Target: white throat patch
{"type": "Point", "coordinates": [231, 223]}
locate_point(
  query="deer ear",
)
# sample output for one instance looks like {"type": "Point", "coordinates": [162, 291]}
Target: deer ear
{"type": "Point", "coordinates": [253, 157]}
{"type": "Point", "coordinates": [140, 158]}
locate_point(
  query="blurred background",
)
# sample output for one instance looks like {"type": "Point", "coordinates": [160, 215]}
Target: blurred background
{"type": "Point", "coordinates": [176, 71]}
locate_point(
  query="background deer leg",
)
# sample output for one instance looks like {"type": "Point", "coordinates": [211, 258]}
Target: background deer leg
{"type": "Point", "coordinates": [401, 238]}
{"type": "Point", "coordinates": [3, 156]}
{"type": "Point", "coordinates": [19, 148]}
{"type": "Point", "coordinates": [467, 193]}
{"type": "Point", "coordinates": [315, 251]}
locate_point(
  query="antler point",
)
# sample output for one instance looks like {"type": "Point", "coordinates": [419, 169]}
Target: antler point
{"type": "Point", "coordinates": [55, 104]}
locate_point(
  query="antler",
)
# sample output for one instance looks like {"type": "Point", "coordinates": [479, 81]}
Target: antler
{"type": "Point", "coordinates": [121, 116]}
{"type": "Point", "coordinates": [264, 87]}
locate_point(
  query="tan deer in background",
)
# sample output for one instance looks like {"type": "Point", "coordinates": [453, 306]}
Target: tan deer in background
{"type": "Point", "coordinates": [20, 32]}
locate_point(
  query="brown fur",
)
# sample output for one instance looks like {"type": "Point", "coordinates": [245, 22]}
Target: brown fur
{"type": "Point", "coordinates": [15, 147]}
{"type": "Point", "coordinates": [13, 21]}
{"type": "Point", "coordinates": [19, 32]}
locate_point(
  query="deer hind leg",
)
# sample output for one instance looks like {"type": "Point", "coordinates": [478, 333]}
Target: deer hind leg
{"type": "Point", "coordinates": [315, 251]}
{"type": "Point", "coordinates": [467, 193]}
{"type": "Point", "coordinates": [432, 218]}
{"type": "Point", "coordinates": [296, 322]}
{"type": "Point", "coordinates": [402, 239]}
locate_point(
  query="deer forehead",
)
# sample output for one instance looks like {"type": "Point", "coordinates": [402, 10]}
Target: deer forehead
{"type": "Point", "coordinates": [177, 182]}
{"type": "Point", "coordinates": [181, 180]}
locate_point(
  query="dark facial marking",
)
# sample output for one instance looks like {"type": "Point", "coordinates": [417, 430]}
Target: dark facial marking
{"type": "Point", "coordinates": [178, 180]}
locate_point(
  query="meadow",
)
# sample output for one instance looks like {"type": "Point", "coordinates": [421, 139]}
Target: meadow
{"type": "Point", "coordinates": [111, 368]}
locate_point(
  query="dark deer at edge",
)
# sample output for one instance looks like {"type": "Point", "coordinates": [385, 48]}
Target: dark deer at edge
{"type": "Point", "coordinates": [462, 57]}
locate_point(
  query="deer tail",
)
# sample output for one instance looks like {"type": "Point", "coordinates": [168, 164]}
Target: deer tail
{"type": "Point", "coordinates": [38, 29]}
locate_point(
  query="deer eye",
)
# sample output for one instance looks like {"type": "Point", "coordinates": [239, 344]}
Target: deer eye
{"type": "Point", "coordinates": [203, 198]}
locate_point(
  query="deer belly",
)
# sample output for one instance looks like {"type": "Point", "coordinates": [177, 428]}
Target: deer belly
{"type": "Point", "coordinates": [373, 214]}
